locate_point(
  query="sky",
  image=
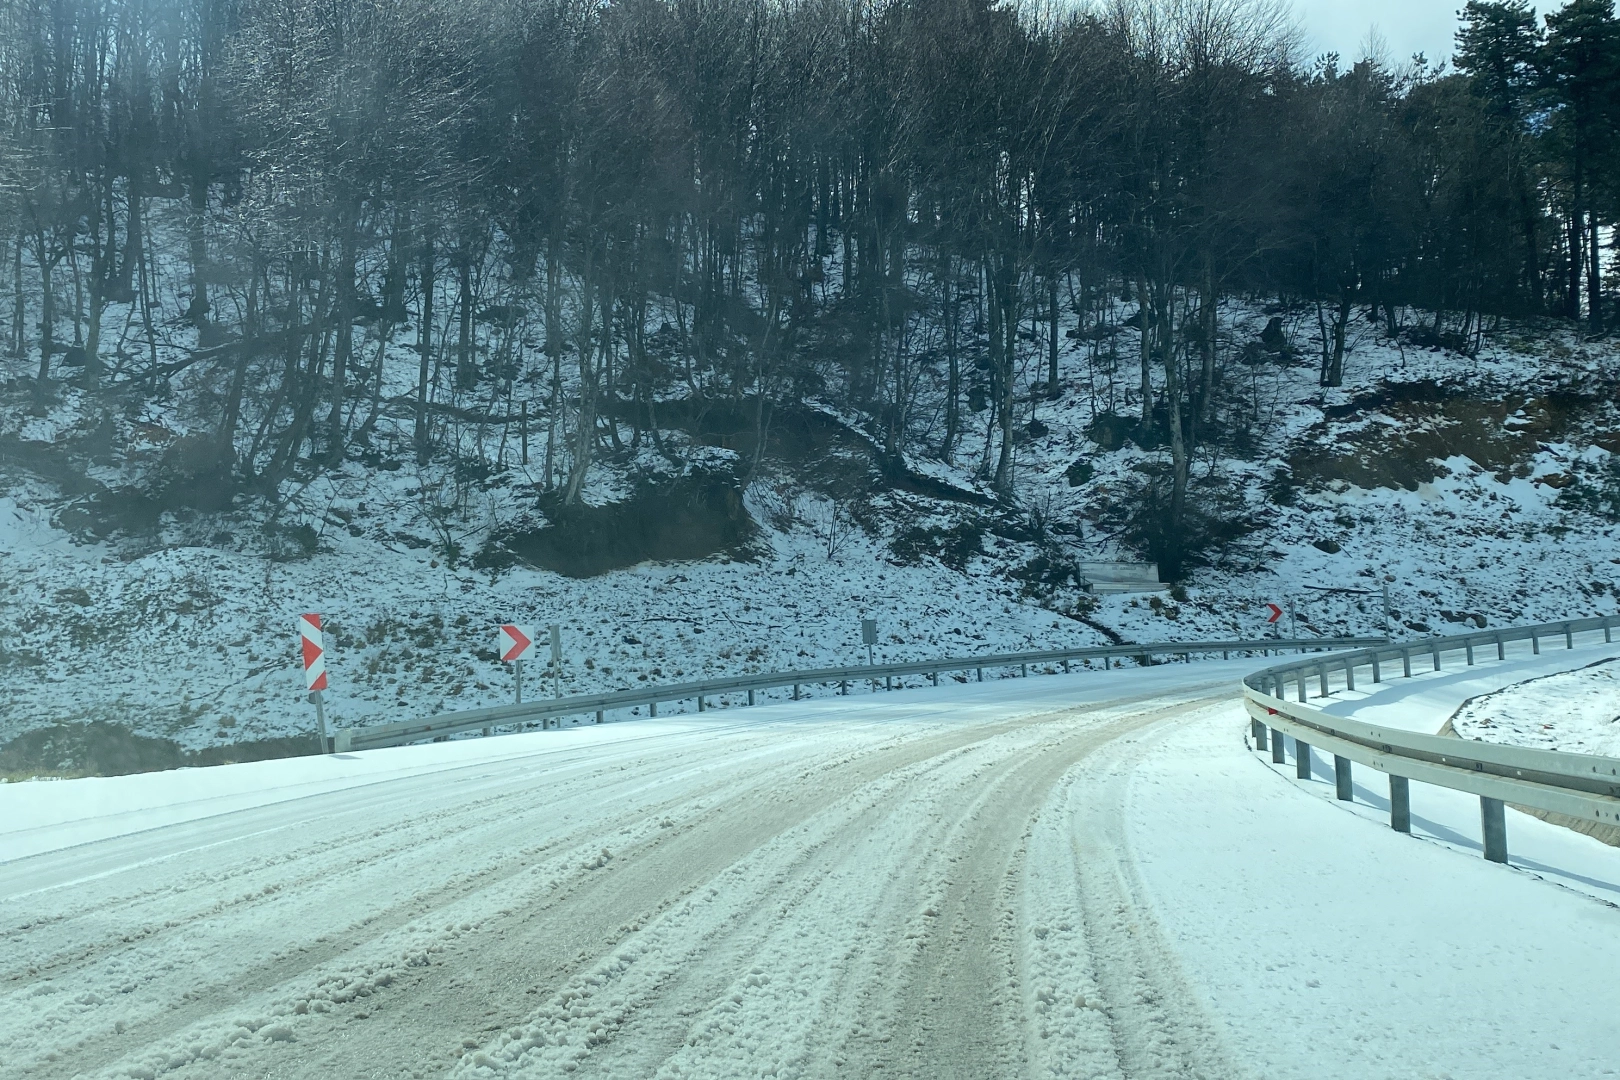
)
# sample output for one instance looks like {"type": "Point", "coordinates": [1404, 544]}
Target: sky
{"type": "Point", "coordinates": [1408, 26]}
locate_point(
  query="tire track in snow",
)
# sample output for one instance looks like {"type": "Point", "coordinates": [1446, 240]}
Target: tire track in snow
{"type": "Point", "coordinates": [1158, 1028]}
{"type": "Point", "coordinates": [331, 864]}
{"type": "Point", "coordinates": [962, 1003]}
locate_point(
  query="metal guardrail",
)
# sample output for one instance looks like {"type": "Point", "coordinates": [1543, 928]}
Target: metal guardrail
{"type": "Point", "coordinates": [1580, 786]}
{"type": "Point", "coordinates": [545, 710]}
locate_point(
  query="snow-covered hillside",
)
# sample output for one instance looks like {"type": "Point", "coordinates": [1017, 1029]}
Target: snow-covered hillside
{"type": "Point", "coordinates": [1479, 490]}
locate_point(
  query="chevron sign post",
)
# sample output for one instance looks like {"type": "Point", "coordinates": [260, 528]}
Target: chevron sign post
{"type": "Point", "coordinates": [314, 654]}
{"type": "Point", "coordinates": [511, 643]}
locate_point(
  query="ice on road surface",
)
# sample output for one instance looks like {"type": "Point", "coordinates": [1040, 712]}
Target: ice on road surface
{"type": "Point", "coordinates": [1067, 876]}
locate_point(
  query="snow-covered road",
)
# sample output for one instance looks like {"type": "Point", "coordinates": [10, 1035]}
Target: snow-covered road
{"type": "Point", "coordinates": [1065, 876]}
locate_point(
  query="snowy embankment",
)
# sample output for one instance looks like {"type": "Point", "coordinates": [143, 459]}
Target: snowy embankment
{"type": "Point", "coordinates": [185, 631]}
{"type": "Point", "coordinates": [1575, 711]}
{"type": "Point", "coordinates": [1084, 875]}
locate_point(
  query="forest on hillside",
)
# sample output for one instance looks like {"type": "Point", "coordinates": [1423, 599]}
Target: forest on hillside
{"type": "Point", "coordinates": [307, 213]}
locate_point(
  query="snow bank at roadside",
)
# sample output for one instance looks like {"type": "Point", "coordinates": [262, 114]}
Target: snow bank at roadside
{"type": "Point", "coordinates": [1575, 711]}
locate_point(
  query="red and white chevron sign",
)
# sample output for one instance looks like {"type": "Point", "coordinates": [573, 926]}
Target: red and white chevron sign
{"type": "Point", "coordinates": [309, 630]}
{"type": "Point", "coordinates": [513, 641]}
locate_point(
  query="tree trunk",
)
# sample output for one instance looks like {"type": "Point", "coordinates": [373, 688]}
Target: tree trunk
{"type": "Point", "coordinates": [1179, 459]}
{"type": "Point", "coordinates": [585, 425]}
{"type": "Point", "coordinates": [47, 322]}
{"type": "Point", "coordinates": [424, 347]}
{"type": "Point", "coordinates": [197, 242]}
{"type": "Point", "coordinates": [18, 316]}
{"type": "Point", "coordinates": [1594, 277]}
{"type": "Point", "coordinates": [134, 241]}
{"type": "Point", "coordinates": [466, 374]}
{"type": "Point", "coordinates": [1206, 343]}
{"type": "Point", "coordinates": [1004, 340]}
{"type": "Point", "coordinates": [953, 378]}
{"type": "Point", "coordinates": [1053, 390]}
{"type": "Point", "coordinates": [1341, 323]}
{"type": "Point", "coordinates": [344, 346]}
{"type": "Point", "coordinates": [1142, 314]}
{"type": "Point", "coordinates": [1572, 293]}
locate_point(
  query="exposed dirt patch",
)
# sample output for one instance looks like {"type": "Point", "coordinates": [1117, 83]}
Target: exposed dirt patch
{"type": "Point", "coordinates": [1397, 435]}
{"type": "Point", "coordinates": [1423, 429]}
{"type": "Point", "coordinates": [104, 749]}
{"type": "Point", "coordinates": [687, 518]}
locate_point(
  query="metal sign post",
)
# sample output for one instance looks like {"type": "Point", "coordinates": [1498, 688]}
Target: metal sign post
{"type": "Point", "coordinates": [556, 660]}
{"type": "Point", "coordinates": [869, 638]}
{"type": "Point", "coordinates": [318, 699]}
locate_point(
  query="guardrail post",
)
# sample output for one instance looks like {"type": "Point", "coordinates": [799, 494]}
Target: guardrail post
{"type": "Point", "coordinates": [488, 731]}
{"type": "Point", "coordinates": [1302, 759]}
{"type": "Point", "coordinates": [598, 716]}
{"type": "Point", "coordinates": [1501, 649]}
{"type": "Point", "coordinates": [1468, 647]}
{"type": "Point", "coordinates": [843, 687]}
{"type": "Point", "coordinates": [1435, 649]}
{"type": "Point", "coordinates": [1493, 824]}
{"type": "Point", "coordinates": [1606, 631]}
{"type": "Point", "coordinates": [700, 703]}
{"type": "Point", "coordinates": [1023, 671]}
{"type": "Point", "coordinates": [1277, 757]}
{"type": "Point", "coordinates": [980, 673]}
{"type": "Point", "coordinates": [1406, 663]}
{"type": "Point", "coordinates": [1378, 676]}
{"type": "Point", "coordinates": [1569, 637]}
{"type": "Point", "coordinates": [1343, 788]}
{"type": "Point", "coordinates": [1349, 675]}
{"type": "Point", "coordinates": [1535, 643]}
{"type": "Point", "coordinates": [1065, 665]}
{"type": "Point", "coordinates": [1321, 671]}
{"type": "Point", "coordinates": [652, 708]}
{"type": "Point", "coordinates": [1400, 803]}
{"type": "Point", "coordinates": [933, 676]}
{"type": "Point", "coordinates": [1302, 678]}
{"type": "Point", "coordinates": [887, 685]}
{"type": "Point", "coordinates": [795, 691]}
{"type": "Point", "coordinates": [1259, 731]}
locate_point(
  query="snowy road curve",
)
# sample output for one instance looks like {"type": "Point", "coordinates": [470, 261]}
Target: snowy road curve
{"type": "Point", "coordinates": [889, 885]}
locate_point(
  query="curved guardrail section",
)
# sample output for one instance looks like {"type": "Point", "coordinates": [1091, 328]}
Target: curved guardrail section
{"type": "Point", "coordinates": [542, 710]}
{"type": "Point", "coordinates": [1581, 786]}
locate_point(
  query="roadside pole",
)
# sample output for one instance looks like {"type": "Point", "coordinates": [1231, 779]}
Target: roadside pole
{"type": "Point", "coordinates": [556, 660]}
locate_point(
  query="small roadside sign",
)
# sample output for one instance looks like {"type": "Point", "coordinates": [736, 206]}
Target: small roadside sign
{"type": "Point", "coordinates": [314, 650]}
{"type": "Point", "coordinates": [313, 647]}
{"type": "Point", "coordinates": [513, 641]}
{"type": "Point", "coordinates": [1276, 613]}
